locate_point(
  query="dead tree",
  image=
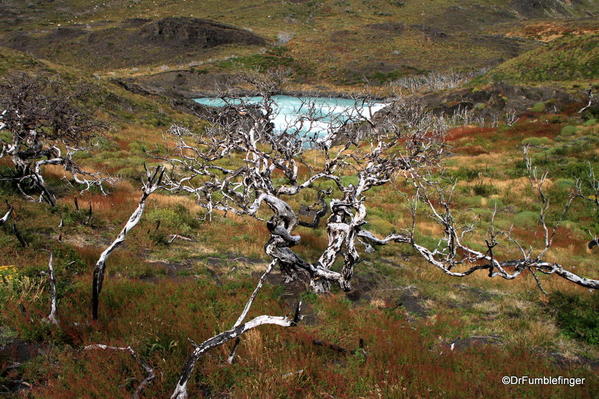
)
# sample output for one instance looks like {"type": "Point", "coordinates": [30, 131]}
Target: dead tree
{"type": "Point", "coordinates": [6, 216]}
{"type": "Point", "coordinates": [590, 103]}
{"type": "Point", "coordinates": [587, 190]}
{"type": "Point", "coordinates": [53, 293]}
{"type": "Point", "coordinates": [360, 152]}
{"type": "Point", "coordinates": [259, 154]}
{"type": "Point", "coordinates": [180, 391]}
{"type": "Point", "coordinates": [353, 147]}
{"type": "Point", "coordinates": [246, 309]}
{"type": "Point", "coordinates": [150, 185]}
{"type": "Point", "coordinates": [19, 236]}
{"type": "Point", "coordinates": [457, 259]}
{"type": "Point", "coordinates": [45, 128]}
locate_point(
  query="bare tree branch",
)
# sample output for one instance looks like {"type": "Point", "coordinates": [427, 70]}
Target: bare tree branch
{"type": "Point", "coordinates": [247, 307]}
{"type": "Point", "coordinates": [454, 253]}
{"type": "Point", "coordinates": [6, 216]}
{"type": "Point", "coordinates": [219, 339]}
{"type": "Point", "coordinates": [19, 236]}
{"type": "Point", "coordinates": [152, 184]}
{"type": "Point", "coordinates": [53, 293]}
{"type": "Point", "coordinates": [42, 121]}
{"type": "Point", "coordinates": [591, 98]}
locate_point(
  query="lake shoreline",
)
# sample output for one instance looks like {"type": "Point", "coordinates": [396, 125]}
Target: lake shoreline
{"type": "Point", "coordinates": [306, 115]}
{"type": "Point", "coordinates": [291, 93]}
{"type": "Point", "coordinates": [141, 87]}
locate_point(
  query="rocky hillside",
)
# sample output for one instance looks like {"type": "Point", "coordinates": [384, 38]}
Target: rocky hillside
{"type": "Point", "coordinates": [133, 42]}
{"type": "Point", "coordinates": [341, 43]}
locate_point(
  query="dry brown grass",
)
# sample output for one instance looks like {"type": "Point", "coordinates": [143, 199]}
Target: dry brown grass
{"type": "Point", "coordinates": [551, 30]}
{"type": "Point", "coordinates": [467, 132]}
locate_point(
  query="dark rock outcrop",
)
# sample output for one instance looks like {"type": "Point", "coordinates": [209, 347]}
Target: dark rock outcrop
{"type": "Point", "coordinates": [430, 31]}
{"type": "Point", "coordinates": [136, 21]}
{"type": "Point", "coordinates": [539, 8]}
{"type": "Point", "coordinates": [462, 344]}
{"type": "Point", "coordinates": [389, 27]}
{"type": "Point", "coordinates": [133, 42]}
{"type": "Point", "coordinates": [187, 31]}
{"type": "Point", "coordinates": [190, 83]}
{"type": "Point", "coordinates": [413, 302]}
{"type": "Point", "coordinates": [495, 99]}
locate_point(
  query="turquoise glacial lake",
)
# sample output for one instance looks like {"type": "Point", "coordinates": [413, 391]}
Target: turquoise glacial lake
{"type": "Point", "coordinates": [308, 115]}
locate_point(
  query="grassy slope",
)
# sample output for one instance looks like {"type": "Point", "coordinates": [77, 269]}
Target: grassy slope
{"type": "Point", "coordinates": [334, 41]}
{"type": "Point", "coordinates": [157, 295]}
{"type": "Point", "coordinates": [570, 58]}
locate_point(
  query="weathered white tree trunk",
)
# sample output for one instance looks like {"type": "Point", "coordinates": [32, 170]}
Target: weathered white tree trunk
{"type": "Point", "coordinates": [6, 216]}
{"type": "Point", "coordinates": [180, 391]}
{"type": "Point", "coordinates": [247, 307]}
{"type": "Point", "coordinates": [53, 293]}
{"type": "Point", "coordinates": [150, 186]}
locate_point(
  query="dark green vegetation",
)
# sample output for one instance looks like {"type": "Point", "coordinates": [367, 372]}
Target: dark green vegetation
{"type": "Point", "coordinates": [276, 57]}
{"type": "Point", "coordinates": [576, 316]}
{"type": "Point", "coordinates": [158, 294]}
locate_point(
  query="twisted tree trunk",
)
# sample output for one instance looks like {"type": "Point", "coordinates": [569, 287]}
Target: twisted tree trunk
{"type": "Point", "coordinates": [149, 187]}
